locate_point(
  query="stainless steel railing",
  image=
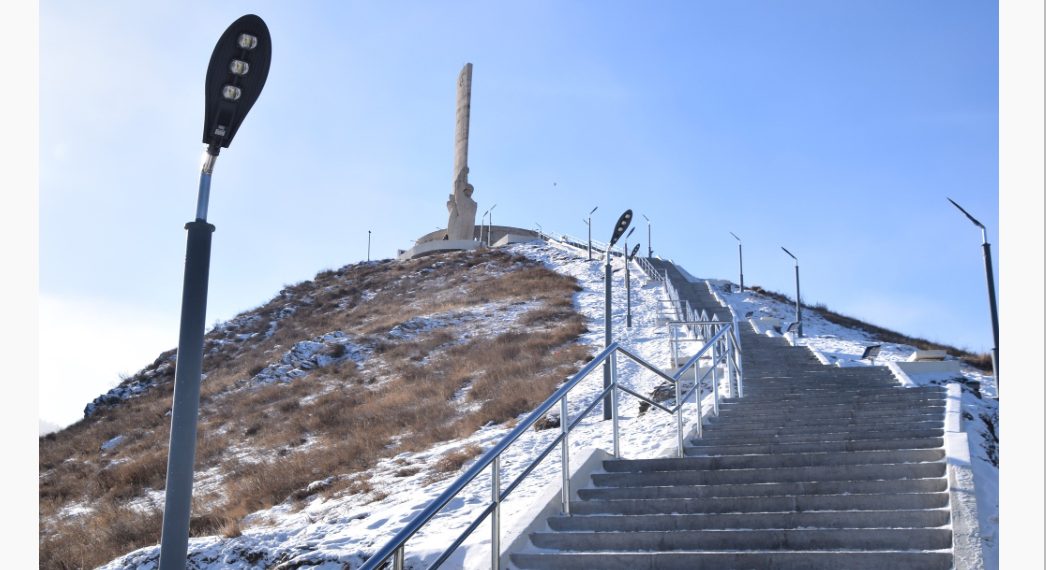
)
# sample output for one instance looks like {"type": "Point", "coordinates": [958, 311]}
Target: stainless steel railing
{"type": "Point", "coordinates": [649, 269]}
{"type": "Point", "coordinates": [720, 347]}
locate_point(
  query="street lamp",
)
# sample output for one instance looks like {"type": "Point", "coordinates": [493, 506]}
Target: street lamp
{"type": "Point", "coordinates": [235, 76]}
{"type": "Point", "coordinates": [740, 261]}
{"type": "Point", "coordinates": [368, 245]}
{"type": "Point", "coordinates": [490, 223]}
{"type": "Point", "coordinates": [649, 244]}
{"type": "Point", "coordinates": [991, 291]}
{"type": "Point", "coordinates": [482, 224]}
{"type": "Point", "coordinates": [798, 303]}
{"type": "Point", "coordinates": [628, 286]}
{"type": "Point", "coordinates": [589, 222]}
{"type": "Point", "coordinates": [608, 329]}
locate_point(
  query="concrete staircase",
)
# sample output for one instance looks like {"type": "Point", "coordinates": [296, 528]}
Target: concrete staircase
{"type": "Point", "coordinates": [817, 467]}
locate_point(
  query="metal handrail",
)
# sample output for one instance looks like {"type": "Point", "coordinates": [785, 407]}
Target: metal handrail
{"type": "Point", "coordinates": [648, 268]}
{"type": "Point", "coordinates": [599, 247]}
{"type": "Point", "coordinates": [395, 547]}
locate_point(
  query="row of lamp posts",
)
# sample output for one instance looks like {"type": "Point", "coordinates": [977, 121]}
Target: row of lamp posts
{"type": "Point", "coordinates": [988, 273]}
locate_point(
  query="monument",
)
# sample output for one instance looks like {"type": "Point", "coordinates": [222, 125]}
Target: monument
{"type": "Point", "coordinates": [460, 205]}
{"type": "Point", "coordinates": [461, 232]}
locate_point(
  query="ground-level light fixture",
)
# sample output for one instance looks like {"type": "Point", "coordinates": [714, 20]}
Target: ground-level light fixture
{"type": "Point", "coordinates": [608, 329]}
{"type": "Point", "coordinates": [798, 302]}
{"type": "Point", "coordinates": [740, 261]}
{"type": "Point", "coordinates": [988, 273]}
{"type": "Point", "coordinates": [236, 73]}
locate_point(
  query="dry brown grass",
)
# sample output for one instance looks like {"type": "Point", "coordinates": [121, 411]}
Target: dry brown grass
{"type": "Point", "coordinates": [330, 426]}
{"type": "Point", "coordinates": [455, 459]}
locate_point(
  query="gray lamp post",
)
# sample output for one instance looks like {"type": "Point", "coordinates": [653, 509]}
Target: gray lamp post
{"type": "Point", "coordinates": [482, 224]}
{"type": "Point", "coordinates": [628, 284]}
{"type": "Point", "coordinates": [490, 224]}
{"type": "Point", "coordinates": [649, 244]}
{"type": "Point", "coordinates": [368, 245]}
{"type": "Point", "coordinates": [608, 328]}
{"type": "Point", "coordinates": [740, 261]}
{"type": "Point", "coordinates": [589, 222]}
{"type": "Point", "coordinates": [235, 76]}
{"type": "Point", "coordinates": [991, 291]}
{"type": "Point", "coordinates": [798, 303]}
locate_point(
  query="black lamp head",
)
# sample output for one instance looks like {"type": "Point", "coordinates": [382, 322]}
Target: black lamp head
{"type": "Point", "coordinates": [235, 77]}
{"type": "Point", "coordinates": [961, 209]}
{"type": "Point", "coordinates": [622, 225]}
{"type": "Point", "coordinates": [632, 255]}
{"type": "Point", "coordinates": [790, 254]}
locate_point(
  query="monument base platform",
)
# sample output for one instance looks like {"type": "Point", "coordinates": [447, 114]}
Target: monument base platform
{"type": "Point", "coordinates": [433, 242]}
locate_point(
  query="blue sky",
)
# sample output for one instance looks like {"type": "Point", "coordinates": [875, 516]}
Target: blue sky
{"type": "Point", "coordinates": [835, 129]}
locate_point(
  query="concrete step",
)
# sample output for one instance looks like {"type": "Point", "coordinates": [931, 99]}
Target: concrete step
{"type": "Point", "coordinates": [819, 398]}
{"type": "Point", "coordinates": [842, 388]}
{"type": "Point", "coordinates": [827, 376]}
{"type": "Point", "coordinates": [751, 560]}
{"type": "Point", "coordinates": [928, 485]}
{"type": "Point", "coordinates": [819, 422]}
{"type": "Point", "coordinates": [773, 460]}
{"type": "Point", "coordinates": [772, 475]}
{"type": "Point", "coordinates": [734, 437]}
{"type": "Point", "coordinates": [827, 412]}
{"type": "Point", "coordinates": [926, 518]}
{"type": "Point", "coordinates": [840, 427]}
{"type": "Point", "coordinates": [700, 447]}
{"type": "Point", "coordinates": [815, 403]}
{"type": "Point", "coordinates": [792, 539]}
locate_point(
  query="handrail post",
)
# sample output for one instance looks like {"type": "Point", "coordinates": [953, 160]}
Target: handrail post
{"type": "Point", "coordinates": [495, 515]}
{"type": "Point", "coordinates": [697, 394]}
{"type": "Point", "coordinates": [679, 418]}
{"type": "Point", "coordinates": [715, 379]}
{"type": "Point", "coordinates": [613, 403]}
{"type": "Point", "coordinates": [397, 559]}
{"type": "Point", "coordinates": [740, 376]}
{"type": "Point", "coordinates": [564, 424]}
{"type": "Point", "coordinates": [731, 371]}
{"type": "Point", "coordinates": [673, 347]}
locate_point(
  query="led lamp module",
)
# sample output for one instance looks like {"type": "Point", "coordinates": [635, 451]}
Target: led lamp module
{"type": "Point", "coordinates": [231, 92]}
{"type": "Point", "coordinates": [239, 67]}
{"type": "Point", "coordinates": [247, 41]}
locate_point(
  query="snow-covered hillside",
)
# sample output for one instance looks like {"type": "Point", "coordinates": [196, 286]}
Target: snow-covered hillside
{"type": "Point", "coordinates": [338, 533]}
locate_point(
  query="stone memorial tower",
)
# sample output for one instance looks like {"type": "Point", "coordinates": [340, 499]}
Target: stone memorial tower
{"type": "Point", "coordinates": [460, 205]}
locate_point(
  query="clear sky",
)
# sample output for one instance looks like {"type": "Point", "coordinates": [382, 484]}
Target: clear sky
{"type": "Point", "coordinates": [835, 129]}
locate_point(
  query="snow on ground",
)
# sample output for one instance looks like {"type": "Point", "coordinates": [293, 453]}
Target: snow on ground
{"type": "Point", "coordinates": [337, 533]}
